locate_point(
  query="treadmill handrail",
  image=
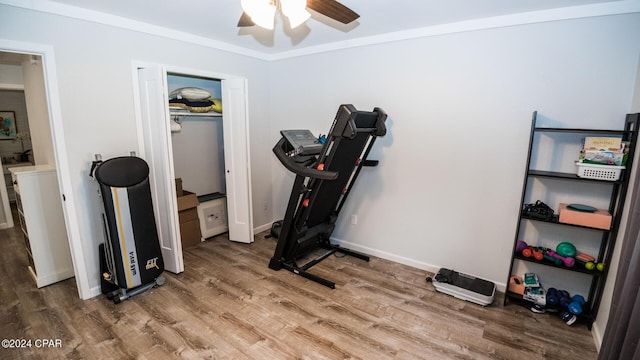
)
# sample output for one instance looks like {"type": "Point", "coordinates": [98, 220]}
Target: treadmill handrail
{"type": "Point", "coordinates": [295, 168]}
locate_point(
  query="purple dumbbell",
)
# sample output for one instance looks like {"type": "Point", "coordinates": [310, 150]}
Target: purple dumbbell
{"type": "Point", "coordinates": [568, 261]}
{"type": "Point", "coordinates": [521, 245]}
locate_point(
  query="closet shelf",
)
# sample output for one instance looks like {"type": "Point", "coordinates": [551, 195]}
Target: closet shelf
{"type": "Point", "coordinates": [186, 113]}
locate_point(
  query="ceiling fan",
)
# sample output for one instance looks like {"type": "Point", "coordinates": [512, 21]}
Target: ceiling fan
{"type": "Point", "coordinates": [262, 12]}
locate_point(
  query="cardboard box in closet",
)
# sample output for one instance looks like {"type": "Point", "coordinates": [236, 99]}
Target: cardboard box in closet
{"type": "Point", "coordinates": [188, 216]}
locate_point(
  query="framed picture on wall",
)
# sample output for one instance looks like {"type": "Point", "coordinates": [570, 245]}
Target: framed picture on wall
{"type": "Point", "coordinates": [7, 125]}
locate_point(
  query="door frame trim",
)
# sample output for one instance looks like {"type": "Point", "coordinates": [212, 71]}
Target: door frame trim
{"type": "Point", "coordinates": [60, 154]}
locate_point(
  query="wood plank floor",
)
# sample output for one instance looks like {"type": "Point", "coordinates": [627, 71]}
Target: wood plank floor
{"type": "Point", "coordinates": [229, 305]}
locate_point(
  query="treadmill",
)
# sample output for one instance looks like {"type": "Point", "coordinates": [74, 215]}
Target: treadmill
{"type": "Point", "coordinates": [326, 170]}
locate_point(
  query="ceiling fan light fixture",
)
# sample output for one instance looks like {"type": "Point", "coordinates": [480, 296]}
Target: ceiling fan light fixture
{"type": "Point", "coordinates": [295, 11]}
{"type": "Point", "coordinates": [262, 12]}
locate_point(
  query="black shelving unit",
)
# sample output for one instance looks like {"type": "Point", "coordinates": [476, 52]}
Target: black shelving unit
{"type": "Point", "coordinates": [616, 206]}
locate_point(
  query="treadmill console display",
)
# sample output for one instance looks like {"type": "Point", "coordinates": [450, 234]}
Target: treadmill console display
{"type": "Point", "coordinates": [302, 142]}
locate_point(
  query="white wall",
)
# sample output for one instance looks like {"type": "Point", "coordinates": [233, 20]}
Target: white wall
{"type": "Point", "coordinates": [447, 190]}
{"type": "Point", "coordinates": [10, 74]}
{"type": "Point", "coordinates": [201, 139]}
{"type": "Point", "coordinates": [13, 100]}
{"type": "Point", "coordinates": [36, 98]}
{"type": "Point", "coordinates": [94, 70]}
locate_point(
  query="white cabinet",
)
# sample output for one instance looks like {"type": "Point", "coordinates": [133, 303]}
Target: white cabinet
{"type": "Point", "coordinates": [8, 181]}
{"type": "Point", "coordinates": [42, 221]}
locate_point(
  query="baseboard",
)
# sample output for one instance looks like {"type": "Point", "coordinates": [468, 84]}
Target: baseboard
{"type": "Point", "coordinates": [94, 292]}
{"type": "Point", "coordinates": [387, 256]}
{"type": "Point", "coordinates": [501, 287]}
{"type": "Point", "coordinates": [597, 335]}
{"type": "Point", "coordinates": [4, 226]}
{"type": "Point", "coordinates": [399, 259]}
{"type": "Point", "coordinates": [262, 228]}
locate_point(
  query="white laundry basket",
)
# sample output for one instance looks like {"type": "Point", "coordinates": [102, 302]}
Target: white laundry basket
{"type": "Point", "coordinates": [599, 172]}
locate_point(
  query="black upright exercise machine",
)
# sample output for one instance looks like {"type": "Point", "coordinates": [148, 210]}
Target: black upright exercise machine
{"type": "Point", "coordinates": [130, 258]}
{"type": "Point", "coordinates": [325, 173]}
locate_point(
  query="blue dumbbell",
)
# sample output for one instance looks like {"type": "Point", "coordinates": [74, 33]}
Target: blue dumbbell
{"type": "Point", "coordinates": [553, 299]}
{"type": "Point", "coordinates": [565, 299]}
{"type": "Point", "coordinates": [575, 307]}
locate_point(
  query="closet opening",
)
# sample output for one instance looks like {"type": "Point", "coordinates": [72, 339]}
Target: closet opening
{"type": "Point", "coordinates": [195, 108]}
{"type": "Point", "coordinates": [193, 131]}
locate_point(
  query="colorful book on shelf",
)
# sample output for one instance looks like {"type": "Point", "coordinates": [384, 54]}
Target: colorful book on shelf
{"type": "Point", "coordinates": [604, 158]}
{"type": "Point", "coordinates": [603, 151]}
{"type": "Point", "coordinates": [531, 280]}
{"type": "Point", "coordinates": [603, 144]}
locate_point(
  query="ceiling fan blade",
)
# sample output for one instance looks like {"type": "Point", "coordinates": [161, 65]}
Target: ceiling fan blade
{"type": "Point", "coordinates": [333, 9]}
{"type": "Point", "coordinates": [245, 20]}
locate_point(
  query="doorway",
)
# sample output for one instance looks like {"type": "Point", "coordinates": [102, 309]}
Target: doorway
{"type": "Point", "coordinates": [156, 147]}
{"type": "Point", "coordinates": [14, 128]}
{"type": "Point", "coordinates": [57, 155]}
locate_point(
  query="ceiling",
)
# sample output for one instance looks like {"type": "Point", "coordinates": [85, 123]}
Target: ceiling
{"type": "Point", "coordinates": [215, 20]}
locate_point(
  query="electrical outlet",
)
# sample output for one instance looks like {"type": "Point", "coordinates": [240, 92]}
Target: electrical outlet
{"type": "Point", "coordinates": [354, 219]}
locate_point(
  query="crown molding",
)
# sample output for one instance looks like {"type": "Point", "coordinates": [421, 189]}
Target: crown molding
{"type": "Point", "coordinates": [78, 13]}
{"type": "Point", "coordinates": [526, 18]}
{"type": "Point", "coordinates": [559, 14]}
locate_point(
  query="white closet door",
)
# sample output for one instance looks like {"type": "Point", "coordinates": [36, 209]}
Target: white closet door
{"type": "Point", "coordinates": [236, 159]}
{"type": "Point", "coordinates": [157, 151]}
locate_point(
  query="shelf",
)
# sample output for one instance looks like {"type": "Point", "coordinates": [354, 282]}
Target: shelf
{"type": "Point", "coordinates": [555, 221]}
{"type": "Point", "coordinates": [582, 131]}
{"type": "Point", "coordinates": [617, 192]}
{"type": "Point", "coordinates": [7, 166]}
{"type": "Point", "coordinates": [575, 268]}
{"type": "Point", "coordinates": [186, 113]}
{"type": "Point", "coordinates": [585, 316]}
{"type": "Point", "coordinates": [568, 176]}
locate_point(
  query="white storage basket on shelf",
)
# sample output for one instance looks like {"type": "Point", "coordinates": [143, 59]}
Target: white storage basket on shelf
{"type": "Point", "coordinates": [599, 172]}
